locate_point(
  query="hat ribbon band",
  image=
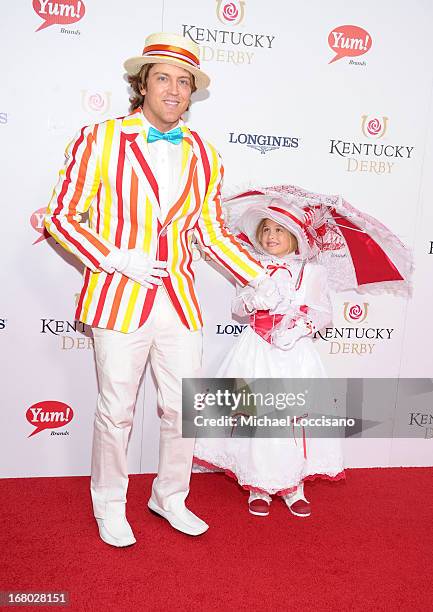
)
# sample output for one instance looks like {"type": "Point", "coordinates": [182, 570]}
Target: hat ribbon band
{"type": "Point", "coordinates": [172, 52]}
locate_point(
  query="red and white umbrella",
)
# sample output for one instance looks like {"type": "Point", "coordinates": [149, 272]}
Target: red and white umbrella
{"type": "Point", "coordinates": [359, 252]}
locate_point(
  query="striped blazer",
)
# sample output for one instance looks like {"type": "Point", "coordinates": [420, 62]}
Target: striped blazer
{"type": "Point", "coordinates": [107, 174]}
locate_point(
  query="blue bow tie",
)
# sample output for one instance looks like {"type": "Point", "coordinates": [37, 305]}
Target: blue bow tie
{"type": "Point", "coordinates": [174, 136]}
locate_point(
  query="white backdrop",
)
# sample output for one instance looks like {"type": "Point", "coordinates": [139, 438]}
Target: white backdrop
{"type": "Point", "coordinates": [271, 76]}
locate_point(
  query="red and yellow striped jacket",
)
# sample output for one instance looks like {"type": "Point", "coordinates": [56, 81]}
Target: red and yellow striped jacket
{"type": "Point", "coordinates": [107, 174]}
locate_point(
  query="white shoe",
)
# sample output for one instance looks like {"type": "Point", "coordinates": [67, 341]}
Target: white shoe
{"type": "Point", "coordinates": [297, 503]}
{"type": "Point", "coordinates": [116, 530]}
{"type": "Point", "coordinates": [182, 520]}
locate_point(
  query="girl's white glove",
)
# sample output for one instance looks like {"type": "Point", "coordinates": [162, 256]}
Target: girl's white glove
{"type": "Point", "coordinates": [265, 297]}
{"type": "Point", "coordinates": [285, 339]}
{"type": "Point", "coordinates": [137, 266]}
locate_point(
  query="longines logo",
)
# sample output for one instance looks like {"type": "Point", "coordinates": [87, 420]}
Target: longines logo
{"type": "Point", "coordinates": [72, 334]}
{"type": "Point", "coordinates": [59, 13]}
{"type": "Point", "coordinates": [230, 329]}
{"type": "Point", "coordinates": [369, 156]}
{"type": "Point", "coordinates": [263, 142]}
{"type": "Point", "coordinates": [419, 419]}
{"type": "Point", "coordinates": [356, 339]}
{"type": "Point", "coordinates": [349, 41]}
{"type": "Point", "coordinates": [3, 324]}
{"type": "Point", "coordinates": [95, 102]}
{"type": "Point", "coordinates": [230, 13]}
{"type": "Point", "coordinates": [215, 43]}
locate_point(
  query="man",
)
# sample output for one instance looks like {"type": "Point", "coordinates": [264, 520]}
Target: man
{"type": "Point", "coordinates": [147, 183]}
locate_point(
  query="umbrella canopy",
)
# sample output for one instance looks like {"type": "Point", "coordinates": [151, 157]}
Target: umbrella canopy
{"type": "Point", "coordinates": [359, 252]}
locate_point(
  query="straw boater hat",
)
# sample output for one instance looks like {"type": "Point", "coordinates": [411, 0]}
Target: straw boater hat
{"type": "Point", "coordinates": [163, 48]}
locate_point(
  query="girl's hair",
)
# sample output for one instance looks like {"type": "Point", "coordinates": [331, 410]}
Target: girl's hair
{"type": "Point", "coordinates": [259, 232]}
{"type": "Point", "coordinates": [139, 81]}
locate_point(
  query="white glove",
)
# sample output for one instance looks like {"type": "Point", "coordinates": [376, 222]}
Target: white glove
{"type": "Point", "coordinates": [286, 307]}
{"type": "Point", "coordinates": [137, 266]}
{"type": "Point", "coordinates": [266, 295]}
{"type": "Point", "coordinates": [285, 339]}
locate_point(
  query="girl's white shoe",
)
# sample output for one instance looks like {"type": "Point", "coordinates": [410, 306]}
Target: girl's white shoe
{"type": "Point", "coordinates": [297, 503]}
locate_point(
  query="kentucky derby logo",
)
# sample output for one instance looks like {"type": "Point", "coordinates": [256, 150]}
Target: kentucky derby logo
{"type": "Point", "coordinates": [37, 223]}
{"type": "Point", "coordinates": [349, 41]}
{"type": "Point", "coordinates": [354, 339]}
{"type": "Point", "coordinates": [355, 313]}
{"type": "Point", "coordinates": [374, 127]}
{"type": "Point", "coordinates": [231, 13]}
{"type": "Point", "coordinates": [368, 155]}
{"type": "Point", "coordinates": [70, 334]}
{"type": "Point", "coordinates": [95, 102]}
{"type": "Point", "coordinates": [58, 13]}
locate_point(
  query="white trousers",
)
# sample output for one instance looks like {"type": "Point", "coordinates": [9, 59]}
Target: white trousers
{"type": "Point", "coordinates": [175, 352]}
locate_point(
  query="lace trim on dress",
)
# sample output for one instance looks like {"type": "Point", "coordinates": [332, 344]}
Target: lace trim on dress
{"type": "Point", "coordinates": [210, 466]}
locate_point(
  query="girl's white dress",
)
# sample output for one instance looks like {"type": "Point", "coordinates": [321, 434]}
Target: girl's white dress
{"type": "Point", "coordinates": [277, 465]}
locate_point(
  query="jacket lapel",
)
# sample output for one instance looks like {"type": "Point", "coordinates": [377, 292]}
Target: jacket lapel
{"type": "Point", "coordinates": [136, 150]}
{"type": "Point", "coordinates": [188, 169]}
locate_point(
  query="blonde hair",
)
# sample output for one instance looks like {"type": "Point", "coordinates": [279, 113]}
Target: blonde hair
{"type": "Point", "coordinates": [259, 233]}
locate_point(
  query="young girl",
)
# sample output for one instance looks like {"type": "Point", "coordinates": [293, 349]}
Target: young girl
{"type": "Point", "coordinates": [277, 344]}
{"type": "Point", "coordinates": [293, 233]}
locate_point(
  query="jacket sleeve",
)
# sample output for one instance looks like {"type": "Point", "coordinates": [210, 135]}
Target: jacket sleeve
{"type": "Point", "coordinates": [214, 237]}
{"type": "Point", "coordinates": [78, 185]}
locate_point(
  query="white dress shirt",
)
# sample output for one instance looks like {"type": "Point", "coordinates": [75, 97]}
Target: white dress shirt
{"type": "Point", "coordinates": [166, 165]}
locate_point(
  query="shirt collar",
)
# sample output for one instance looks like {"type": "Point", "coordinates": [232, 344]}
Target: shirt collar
{"type": "Point", "coordinates": [147, 125]}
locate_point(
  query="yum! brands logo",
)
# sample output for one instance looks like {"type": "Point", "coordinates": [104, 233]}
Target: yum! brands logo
{"type": "Point", "coordinates": [358, 338]}
{"type": "Point", "coordinates": [370, 156]}
{"type": "Point", "coordinates": [230, 13]}
{"type": "Point", "coordinates": [349, 41]}
{"type": "Point", "coordinates": [49, 414]}
{"type": "Point", "coordinates": [37, 223]}
{"type": "Point", "coordinates": [59, 13]}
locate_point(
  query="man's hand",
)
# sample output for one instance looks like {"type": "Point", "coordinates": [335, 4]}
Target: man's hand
{"type": "Point", "coordinates": [137, 266]}
{"type": "Point", "coordinates": [266, 295]}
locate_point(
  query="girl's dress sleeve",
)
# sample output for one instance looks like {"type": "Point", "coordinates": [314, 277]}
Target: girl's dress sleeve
{"type": "Point", "coordinates": [310, 309]}
{"type": "Point", "coordinates": [312, 298]}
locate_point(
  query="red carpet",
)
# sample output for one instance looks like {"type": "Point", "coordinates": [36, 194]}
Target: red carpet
{"type": "Point", "coordinates": [368, 546]}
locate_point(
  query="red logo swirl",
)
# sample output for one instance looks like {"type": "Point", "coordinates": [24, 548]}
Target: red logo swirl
{"type": "Point", "coordinates": [374, 127]}
{"type": "Point", "coordinates": [230, 12]}
{"type": "Point", "coordinates": [355, 312]}
{"type": "Point", "coordinates": [96, 102]}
